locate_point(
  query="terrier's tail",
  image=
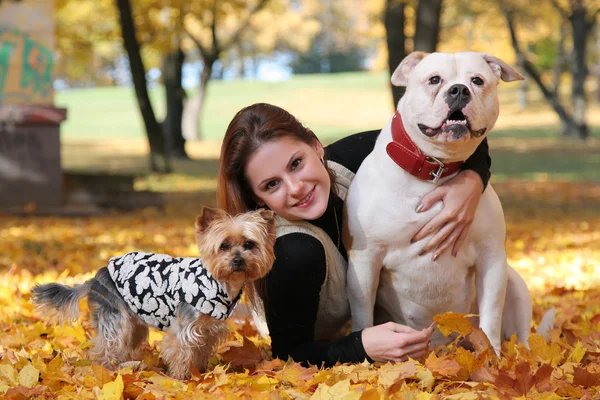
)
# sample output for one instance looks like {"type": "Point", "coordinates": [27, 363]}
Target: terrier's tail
{"type": "Point", "coordinates": [59, 302]}
{"type": "Point", "coordinates": [546, 324]}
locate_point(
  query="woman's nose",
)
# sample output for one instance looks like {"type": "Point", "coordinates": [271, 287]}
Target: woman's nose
{"type": "Point", "coordinates": [295, 187]}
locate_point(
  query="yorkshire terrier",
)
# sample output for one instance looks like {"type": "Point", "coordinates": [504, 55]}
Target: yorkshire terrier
{"type": "Point", "coordinates": [189, 298]}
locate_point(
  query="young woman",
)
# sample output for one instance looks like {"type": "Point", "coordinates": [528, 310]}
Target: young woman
{"type": "Point", "coordinates": [268, 159]}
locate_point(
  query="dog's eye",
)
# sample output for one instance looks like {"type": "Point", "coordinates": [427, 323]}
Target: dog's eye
{"type": "Point", "coordinates": [477, 81]}
{"type": "Point", "coordinates": [434, 80]}
{"type": "Point", "coordinates": [249, 245]}
{"type": "Point", "coordinates": [224, 246]}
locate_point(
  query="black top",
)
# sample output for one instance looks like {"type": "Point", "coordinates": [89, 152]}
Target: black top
{"type": "Point", "coordinates": [293, 286]}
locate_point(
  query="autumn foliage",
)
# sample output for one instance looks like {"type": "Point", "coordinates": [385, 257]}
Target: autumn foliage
{"type": "Point", "coordinates": [553, 241]}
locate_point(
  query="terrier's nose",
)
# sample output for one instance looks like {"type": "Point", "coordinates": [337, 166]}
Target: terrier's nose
{"type": "Point", "coordinates": [238, 264]}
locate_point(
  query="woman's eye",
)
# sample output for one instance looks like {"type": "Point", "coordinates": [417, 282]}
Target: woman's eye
{"type": "Point", "coordinates": [477, 81]}
{"type": "Point", "coordinates": [270, 185]}
{"type": "Point", "coordinates": [296, 163]}
{"type": "Point", "coordinates": [434, 80]}
{"type": "Point", "coordinates": [224, 246]}
{"type": "Point", "coordinates": [249, 245]}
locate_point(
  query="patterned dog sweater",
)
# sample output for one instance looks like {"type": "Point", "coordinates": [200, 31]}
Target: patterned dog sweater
{"type": "Point", "coordinates": [153, 285]}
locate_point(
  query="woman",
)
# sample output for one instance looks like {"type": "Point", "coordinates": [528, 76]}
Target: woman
{"type": "Point", "coordinates": [268, 159]}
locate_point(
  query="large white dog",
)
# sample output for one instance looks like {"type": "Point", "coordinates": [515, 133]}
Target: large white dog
{"type": "Point", "coordinates": [449, 107]}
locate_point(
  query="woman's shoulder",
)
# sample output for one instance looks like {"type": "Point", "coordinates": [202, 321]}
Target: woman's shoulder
{"type": "Point", "coordinates": [299, 250]}
{"type": "Point", "coordinates": [352, 150]}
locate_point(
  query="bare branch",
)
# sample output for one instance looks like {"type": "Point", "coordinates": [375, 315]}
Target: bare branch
{"type": "Point", "coordinates": [203, 51]}
{"type": "Point", "coordinates": [236, 36]}
{"type": "Point", "coordinates": [213, 29]}
{"type": "Point", "coordinates": [548, 93]}
{"type": "Point", "coordinates": [564, 13]}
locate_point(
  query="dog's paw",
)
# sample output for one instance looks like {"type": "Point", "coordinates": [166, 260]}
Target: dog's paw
{"type": "Point", "coordinates": [134, 365]}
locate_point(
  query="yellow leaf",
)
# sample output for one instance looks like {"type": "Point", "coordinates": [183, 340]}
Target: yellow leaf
{"type": "Point", "coordinates": [549, 353]}
{"type": "Point", "coordinates": [426, 378]}
{"type": "Point", "coordinates": [3, 387]}
{"type": "Point", "coordinates": [392, 373]}
{"type": "Point", "coordinates": [465, 359]}
{"type": "Point", "coordinates": [340, 390]}
{"type": "Point", "coordinates": [452, 322]}
{"type": "Point", "coordinates": [577, 353]}
{"type": "Point", "coordinates": [112, 390]}
{"type": "Point", "coordinates": [9, 372]}
{"type": "Point", "coordinates": [29, 376]}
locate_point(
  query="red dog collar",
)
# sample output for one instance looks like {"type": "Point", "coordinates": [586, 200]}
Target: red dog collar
{"type": "Point", "coordinates": [407, 155]}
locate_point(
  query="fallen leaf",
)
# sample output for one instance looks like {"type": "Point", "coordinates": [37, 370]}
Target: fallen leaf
{"type": "Point", "coordinates": [451, 322]}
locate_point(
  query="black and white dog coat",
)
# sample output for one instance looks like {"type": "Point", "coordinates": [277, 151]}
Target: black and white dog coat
{"type": "Point", "coordinates": [153, 285]}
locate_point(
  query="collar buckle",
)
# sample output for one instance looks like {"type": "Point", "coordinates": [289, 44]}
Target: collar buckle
{"type": "Point", "coordinates": [439, 172]}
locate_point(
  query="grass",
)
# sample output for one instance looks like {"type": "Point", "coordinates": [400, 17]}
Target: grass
{"type": "Point", "coordinates": [104, 131]}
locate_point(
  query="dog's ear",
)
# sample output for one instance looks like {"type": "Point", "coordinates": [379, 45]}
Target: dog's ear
{"type": "Point", "coordinates": [269, 217]}
{"type": "Point", "coordinates": [502, 70]}
{"type": "Point", "coordinates": [207, 215]}
{"type": "Point", "coordinates": [400, 75]}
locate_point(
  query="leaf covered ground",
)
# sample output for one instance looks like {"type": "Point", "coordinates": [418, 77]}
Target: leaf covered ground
{"type": "Point", "coordinates": [553, 240]}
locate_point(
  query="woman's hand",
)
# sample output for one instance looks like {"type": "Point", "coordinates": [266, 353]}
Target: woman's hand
{"type": "Point", "coordinates": [460, 196]}
{"type": "Point", "coordinates": [395, 342]}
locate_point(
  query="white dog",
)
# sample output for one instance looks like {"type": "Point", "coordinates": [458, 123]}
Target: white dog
{"type": "Point", "coordinates": [449, 107]}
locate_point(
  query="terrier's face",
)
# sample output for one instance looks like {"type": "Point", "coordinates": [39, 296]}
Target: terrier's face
{"type": "Point", "coordinates": [236, 248]}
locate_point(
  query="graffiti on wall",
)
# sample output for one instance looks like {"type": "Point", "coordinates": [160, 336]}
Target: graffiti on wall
{"type": "Point", "coordinates": [25, 68]}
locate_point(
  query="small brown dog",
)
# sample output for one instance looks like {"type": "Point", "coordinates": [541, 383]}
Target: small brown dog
{"type": "Point", "coordinates": [189, 298]}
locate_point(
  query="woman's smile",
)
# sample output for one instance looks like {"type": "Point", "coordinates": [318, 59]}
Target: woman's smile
{"type": "Point", "coordinates": [307, 200]}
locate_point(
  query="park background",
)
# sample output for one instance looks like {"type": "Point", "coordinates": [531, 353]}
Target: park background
{"type": "Point", "coordinates": [149, 88]}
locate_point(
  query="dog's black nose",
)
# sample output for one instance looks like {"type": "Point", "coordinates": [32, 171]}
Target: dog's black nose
{"type": "Point", "coordinates": [458, 96]}
{"type": "Point", "coordinates": [238, 263]}
{"type": "Point", "coordinates": [459, 90]}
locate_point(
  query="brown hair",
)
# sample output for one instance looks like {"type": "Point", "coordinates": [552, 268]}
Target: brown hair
{"type": "Point", "coordinates": [251, 127]}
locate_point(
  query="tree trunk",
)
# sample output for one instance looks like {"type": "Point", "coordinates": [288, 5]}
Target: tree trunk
{"type": "Point", "coordinates": [597, 68]}
{"type": "Point", "coordinates": [174, 95]}
{"type": "Point", "coordinates": [395, 38]}
{"type": "Point", "coordinates": [559, 62]}
{"type": "Point", "coordinates": [428, 25]}
{"type": "Point", "coordinates": [192, 109]}
{"type": "Point", "coordinates": [579, 70]}
{"type": "Point", "coordinates": [568, 125]}
{"type": "Point", "coordinates": [522, 97]}
{"type": "Point", "coordinates": [159, 160]}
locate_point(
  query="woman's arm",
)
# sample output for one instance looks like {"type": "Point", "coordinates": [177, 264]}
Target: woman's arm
{"type": "Point", "coordinates": [460, 196]}
{"type": "Point", "coordinates": [293, 289]}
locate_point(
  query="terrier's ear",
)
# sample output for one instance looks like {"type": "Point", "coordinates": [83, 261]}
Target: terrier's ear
{"type": "Point", "coordinates": [400, 75]}
{"type": "Point", "coordinates": [502, 70]}
{"type": "Point", "coordinates": [269, 217]}
{"type": "Point", "coordinates": [207, 215]}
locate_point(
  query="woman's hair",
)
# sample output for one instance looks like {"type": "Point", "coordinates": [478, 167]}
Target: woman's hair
{"type": "Point", "coordinates": [251, 127]}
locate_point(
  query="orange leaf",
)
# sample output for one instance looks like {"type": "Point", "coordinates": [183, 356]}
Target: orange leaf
{"type": "Point", "coordinates": [247, 355]}
{"type": "Point", "coordinates": [452, 322]}
{"type": "Point", "coordinates": [443, 366]}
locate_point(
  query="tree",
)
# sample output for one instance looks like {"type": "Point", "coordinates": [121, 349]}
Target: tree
{"type": "Point", "coordinates": [159, 160]}
{"type": "Point", "coordinates": [426, 37]}
{"type": "Point", "coordinates": [394, 19]}
{"type": "Point", "coordinates": [582, 22]}
{"type": "Point", "coordinates": [211, 17]}
{"type": "Point", "coordinates": [172, 73]}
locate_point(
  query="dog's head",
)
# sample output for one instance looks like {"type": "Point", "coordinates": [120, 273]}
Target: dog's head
{"type": "Point", "coordinates": [451, 102]}
{"type": "Point", "coordinates": [236, 248]}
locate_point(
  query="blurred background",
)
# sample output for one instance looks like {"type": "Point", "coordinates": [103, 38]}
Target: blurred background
{"type": "Point", "coordinates": [150, 86]}
{"type": "Point", "coordinates": [122, 105]}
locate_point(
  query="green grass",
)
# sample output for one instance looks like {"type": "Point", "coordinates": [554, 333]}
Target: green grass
{"type": "Point", "coordinates": [525, 144]}
{"type": "Point", "coordinates": [329, 104]}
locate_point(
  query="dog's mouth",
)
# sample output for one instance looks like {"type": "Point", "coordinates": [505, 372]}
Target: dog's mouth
{"type": "Point", "coordinates": [456, 123]}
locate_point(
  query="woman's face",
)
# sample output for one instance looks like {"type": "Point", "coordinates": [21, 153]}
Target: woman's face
{"type": "Point", "coordinates": [288, 176]}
